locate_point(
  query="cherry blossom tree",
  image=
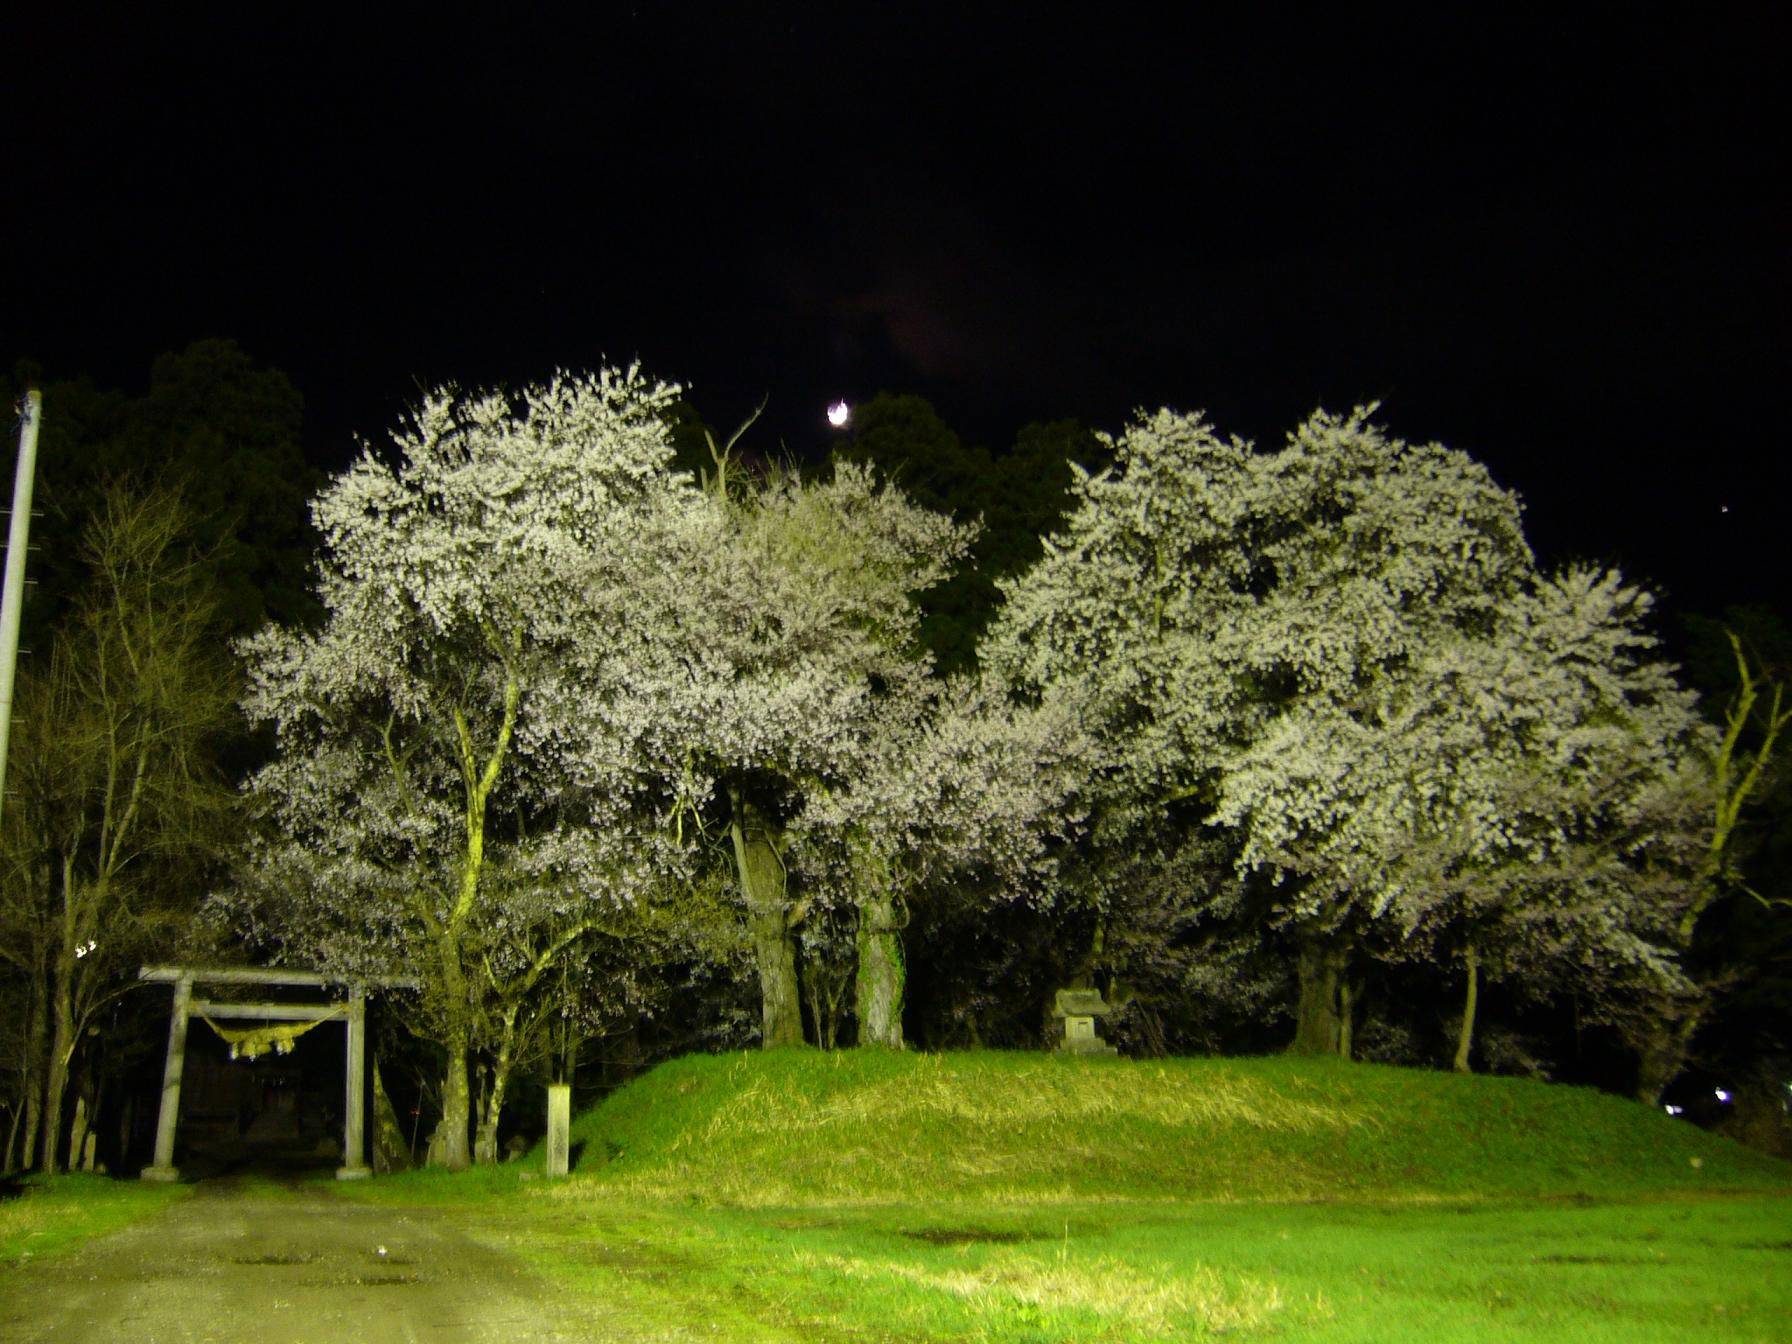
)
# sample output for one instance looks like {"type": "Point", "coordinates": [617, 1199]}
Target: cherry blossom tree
{"type": "Point", "coordinates": [418, 817]}
{"type": "Point", "coordinates": [761, 644]}
{"type": "Point", "coordinates": [1313, 646]}
{"type": "Point", "coordinates": [1527, 800]}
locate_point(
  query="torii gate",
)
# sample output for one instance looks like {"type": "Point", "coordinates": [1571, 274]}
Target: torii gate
{"type": "Point", "coordinates": [353, 1010]}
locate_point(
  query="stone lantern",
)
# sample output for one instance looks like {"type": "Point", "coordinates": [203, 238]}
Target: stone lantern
{"type": "Point", "coordinates": [1073, 1015]}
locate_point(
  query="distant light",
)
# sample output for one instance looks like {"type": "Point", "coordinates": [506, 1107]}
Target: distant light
{"type": "Point", "coordinates": [838, 414]}
{"type": "Point", "coordinates": [1722, 1095]}
{"type": "Point", "coordinates": [1671, 1109]}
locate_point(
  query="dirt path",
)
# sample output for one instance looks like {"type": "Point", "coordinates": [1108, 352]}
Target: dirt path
{"type": "Point", "coordinates": [289, 1265]}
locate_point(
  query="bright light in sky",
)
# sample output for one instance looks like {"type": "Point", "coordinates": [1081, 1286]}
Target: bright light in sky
{"type": "Point", "coordinates": [838, 414]}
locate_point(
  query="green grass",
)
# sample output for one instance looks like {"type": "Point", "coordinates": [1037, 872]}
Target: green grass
{"type": "Point", "coordinates": [875, 1196]}
{"type": "Point", "coordinates": [57, 1214]}
{"type": "Point", "coordinates": [1654, 1271]}
{"type": "Point", "coordinates": [866, 1127]}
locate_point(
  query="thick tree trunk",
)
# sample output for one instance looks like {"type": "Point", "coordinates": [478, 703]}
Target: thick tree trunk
{"type": "Point", "coordinates": [485, 1141]}
{"type": "Point", "coordinates": [774, 954]}
{"type": "Point", "coordinates": [762, 886]}
{"type": "Point", "coordinates": [449, 1148]}
{"type": "Point", "coordinates": [1465, 1035]}
{"type": "Point", "coordinates": [1318, 1021]}
{"type": "Point", "coordinates": [881, 973]}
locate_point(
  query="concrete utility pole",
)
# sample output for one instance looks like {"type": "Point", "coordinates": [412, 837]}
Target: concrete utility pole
{"type": "Point", "coordinates": [13, 596]}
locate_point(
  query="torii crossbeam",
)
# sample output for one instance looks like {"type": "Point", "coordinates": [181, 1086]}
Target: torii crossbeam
{"type": "Point", "coordinates": [353, 1011]}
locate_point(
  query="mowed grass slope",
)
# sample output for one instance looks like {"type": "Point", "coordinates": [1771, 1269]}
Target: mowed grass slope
{"type": "Point", "coordinates": [865, 1196]}
{"type": "Point", "coordinates": [799, 1127]}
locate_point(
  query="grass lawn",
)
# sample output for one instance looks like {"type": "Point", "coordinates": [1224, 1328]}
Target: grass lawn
{"type": "Point", "coordinates": [1660, 1270]}
{"type": "Point", "coordinates": [1023, 1197]}
{"type": "Point", "coordinates": [59, 1213]}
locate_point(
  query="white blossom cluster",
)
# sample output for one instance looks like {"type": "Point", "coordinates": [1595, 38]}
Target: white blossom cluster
{"type": "Point", "coordinates": [411, 723]}
{"type": "Point", "coordinates": [550, 661]}
{"type": "Point", "coordinates": [1343, 650]}
{"type": "Point", "coordinates": [958, 784]}
{"type": "Point", "coordinates": [554, 671]}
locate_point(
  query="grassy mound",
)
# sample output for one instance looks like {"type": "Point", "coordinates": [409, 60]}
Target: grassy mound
{"type": "Point", "coordinates": [801, 1127]}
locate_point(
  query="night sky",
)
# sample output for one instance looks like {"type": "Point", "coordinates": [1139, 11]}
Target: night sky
{"type": "Point", "coordinates": [1558, 242]}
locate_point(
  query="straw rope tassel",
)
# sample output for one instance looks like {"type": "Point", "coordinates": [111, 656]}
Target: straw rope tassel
{"type": "Point", "coordinates": [252, 1042]}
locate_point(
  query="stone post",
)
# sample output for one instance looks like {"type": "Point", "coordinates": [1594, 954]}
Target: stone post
{"type": "Point", "coordinates": [354, 1111]}
{"type": "Point", "coordinates": [169, 1116]}
{"type": "Point", "coordinates": [559, 1128]}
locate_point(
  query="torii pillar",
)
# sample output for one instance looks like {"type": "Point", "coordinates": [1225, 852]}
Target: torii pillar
{"type": "Point", "coordinates": [169, 1116]}
{"type": "Point", "coordinates": [354, 1144]}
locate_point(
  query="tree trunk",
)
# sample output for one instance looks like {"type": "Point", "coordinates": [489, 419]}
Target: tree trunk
{"type": "Point", "coordinates": [1465, 1036]}
{"type": "Point", "coordinates": [12, 1139]}
{"type": "Point", "coordinates": [762, 887]}
{"type": "Point", "coordinates": [881, 973]}
{"type": "Point", "coordinates": [34, 1108]}
{"type": "Point", "coordinates": [485, 1151]}
{"type": "Point", "coordinates": [37, 1058]}
{"type": "Point", "coordinates": [62, 1049]}
{"type": "Point", "coordinates": [77, 1134]}
{"type": "Point", "coordinates": [824, 986]}
{"type": "Point", "coordinates": [774, 954]}
{"type": "Point", "coordinates": [1317, 1019]}
{"type": "Point", "coordinates": [1347, 994]}
{"type": "Point", "coordinates": [485, 1141]}
{"type": "Point", "coordinates": [1661, 1054]}
{"type": "Point", "coordinates": [449, 1148]}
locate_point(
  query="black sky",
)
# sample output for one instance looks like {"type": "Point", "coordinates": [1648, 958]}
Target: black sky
{"type": "Point", "coordinates": [1556, 239]}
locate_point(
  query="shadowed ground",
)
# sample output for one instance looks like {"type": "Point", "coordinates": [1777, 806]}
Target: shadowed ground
{"type": "Point", "coordinates": [270, 1262]}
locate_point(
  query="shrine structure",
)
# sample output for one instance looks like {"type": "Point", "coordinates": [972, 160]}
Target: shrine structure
{"type": "Point", "coordinates": [281, 1023]}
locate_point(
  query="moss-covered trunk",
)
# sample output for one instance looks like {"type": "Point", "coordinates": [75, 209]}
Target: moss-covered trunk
{"type": "Point", "coordinates": [1319, 1009]}
{"type": "Point", "coordinates": [774, 955]}
{"type": "Point", "coordinates": [769, 922]}
{"type": "Point", "coordinates": [479, 777]}
{"type": "Point", "coordinates": [485, 1149]}
{"type": "Point", "coordinates": [880, 982]}
{"type": "Point", "coordinates": [449, 1147]}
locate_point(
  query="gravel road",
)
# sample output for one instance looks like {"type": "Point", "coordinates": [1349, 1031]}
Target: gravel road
{"type": "Point", "coordinates": [249, 1262]}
